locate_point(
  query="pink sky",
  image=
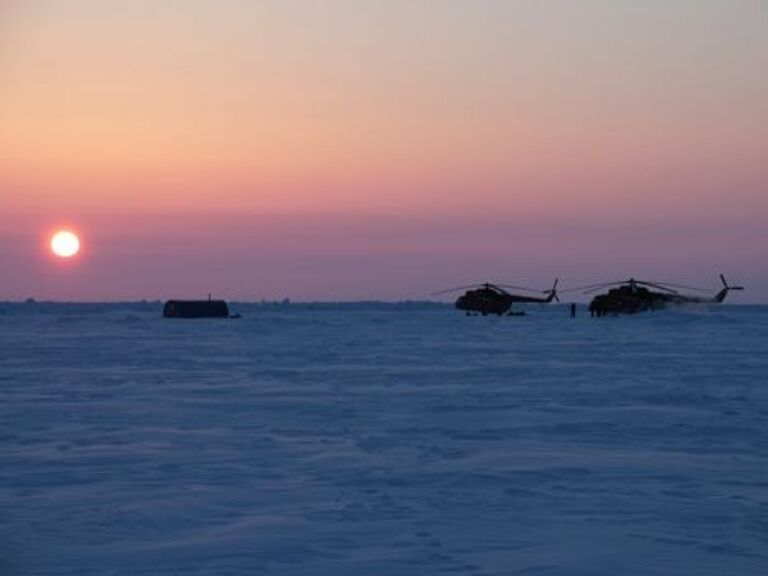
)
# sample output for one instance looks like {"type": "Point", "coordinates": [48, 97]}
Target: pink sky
{"type": "Point", "coordinates": [349, 150]}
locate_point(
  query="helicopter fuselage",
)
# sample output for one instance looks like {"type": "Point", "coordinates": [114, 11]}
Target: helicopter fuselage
{"type": "Point", "coordinates": [485, 301]}
{"type": "Point", "coordinates": [628, 300]}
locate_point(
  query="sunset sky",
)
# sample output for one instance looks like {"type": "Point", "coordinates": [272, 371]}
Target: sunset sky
{"type": "Point", "coordinates": [366, 149]}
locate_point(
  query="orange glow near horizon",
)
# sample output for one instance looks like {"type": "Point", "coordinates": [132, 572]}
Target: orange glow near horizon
{"type": "Point", "coordinates": [459, 139]}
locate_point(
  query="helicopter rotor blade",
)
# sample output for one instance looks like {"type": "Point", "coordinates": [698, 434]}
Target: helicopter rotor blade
{"type": "Point", "coordinates": [595, 287]}
{"type": "Point", "coordinates": [670, 285]}
{"type": "Point", "coordinates": [683, 286]}
{"type": "Point", "coordinates": [591, 287]}
{"type": "Point", "coordinates": [468, 287]}
{"type": "Point", "coordinates": [598, 288]}
{"type": "Point", "coordinates": [656, 285]}
{"type": "Point", "coordinates": [456, 289]}
{"type": "Point", "coordinates": [513, 287]}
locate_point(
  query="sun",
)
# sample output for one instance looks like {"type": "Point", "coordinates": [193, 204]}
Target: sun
{"type": "Point", "coordinates": [65, 244]}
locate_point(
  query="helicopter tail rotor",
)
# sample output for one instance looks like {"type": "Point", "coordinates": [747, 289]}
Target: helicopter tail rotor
{"type": "Point", "coordinates": [552, 292]}
{"type": "Point", "coordinates": [720, 296]}
{"type": "Point", "coordinates": [726, 285]}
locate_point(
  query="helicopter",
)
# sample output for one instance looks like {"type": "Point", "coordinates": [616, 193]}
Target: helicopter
{"type": "Point", "coordinates": [491, 298]}
{"type": "Point", "coordinates": [633, 296]}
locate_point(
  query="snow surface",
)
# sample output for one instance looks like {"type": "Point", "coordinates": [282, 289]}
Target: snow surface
{"type": "Point", "coordinates": [376, 439]}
